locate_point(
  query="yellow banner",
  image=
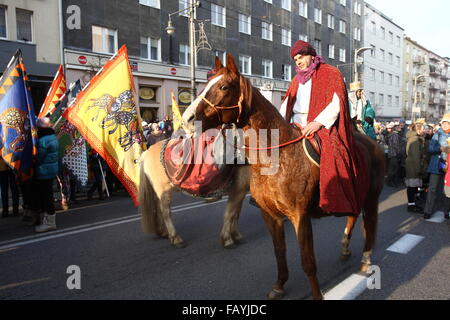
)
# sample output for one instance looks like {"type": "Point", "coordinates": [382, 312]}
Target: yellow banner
{"type": "Point", "coordinates": [176, 113]}
{"type": "Point", "coordinates": [107, 116]}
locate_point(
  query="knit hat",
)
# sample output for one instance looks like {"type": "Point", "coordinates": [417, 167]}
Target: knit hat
{"type": "Point", "coordinates": [303, 48]}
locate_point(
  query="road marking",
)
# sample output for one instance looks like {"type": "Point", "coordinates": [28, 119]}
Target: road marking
{"type": "Point", "coordinates": [348, 289]}
{"type": "Point", "coordinates": [18, 284]}
{"type": "Point", "coordinates": [405, 244]}
{"type": "Point", "coordinates": [94, 226]}
{"type": "Point", "coordinates": [437, 217]}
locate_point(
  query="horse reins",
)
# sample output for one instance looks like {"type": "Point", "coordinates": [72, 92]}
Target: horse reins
{"type": "Point", "coordinates": [217, 108]}
{"type": "Point", "coordinates": [303, 136]}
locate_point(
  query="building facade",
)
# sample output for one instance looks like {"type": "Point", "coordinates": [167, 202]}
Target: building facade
{"type": "Point", "coordinates": [258, 34]}
{"type": "Point", "coordinates": [383, 74]}
{"type": "Point", "coordinates": [425, 84]}
{"type": "Point", "coordinates": [25, 25]}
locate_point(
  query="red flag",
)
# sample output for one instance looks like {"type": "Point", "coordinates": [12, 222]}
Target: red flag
{"type": "Point", "coordinates": [55, 93]}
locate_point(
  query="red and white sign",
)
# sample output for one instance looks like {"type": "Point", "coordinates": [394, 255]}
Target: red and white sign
{"type": "Point", "coordinates": [173, 71]}
{"type": "Point", "coordinates": [82, 59]}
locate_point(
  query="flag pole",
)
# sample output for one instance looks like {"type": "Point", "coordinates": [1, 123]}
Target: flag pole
{"type": "Point", "coordinates": [103, 177]}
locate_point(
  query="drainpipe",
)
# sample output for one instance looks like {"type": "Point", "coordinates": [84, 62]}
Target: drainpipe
{"type": "Point", "coordinates": [61, 33]}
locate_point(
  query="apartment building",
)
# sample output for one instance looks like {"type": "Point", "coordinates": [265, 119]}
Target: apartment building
{"type": "Point", "coordinates": [33, 27]}
{"type": "Point", "coordinates": [383, 74]}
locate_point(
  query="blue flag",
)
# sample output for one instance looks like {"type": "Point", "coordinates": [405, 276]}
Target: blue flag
{"type": "Point", "coordinates": [18, 134]}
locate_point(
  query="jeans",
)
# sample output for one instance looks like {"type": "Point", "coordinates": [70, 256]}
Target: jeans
{"type": "Point", "coordinates": [43, 196]}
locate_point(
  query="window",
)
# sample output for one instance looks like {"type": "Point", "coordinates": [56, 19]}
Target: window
{"type": "Point", "coordinates": [382, 76]}
{"type": "Point", "coordinates": [372, 74]}
{"type": "Point", "coordinates": [342, 26]}
{"type": "Point", "coordinates": [331, 51]}
{"type": "Point", "coordinates": [397, 41]}
{"type": "Point", "coordinates": [397, 101]}
{"type": "Point", "coordinates": [150, 49]}
{"type": "Point", "coordinates": [318, 15]}
{"type": "Point", "coordinates": [381, 99]}
{"type": "Point", "coordinates": [183, 5]}
{"type": "Point", "coordinates": [390, 58]}
{"type": "Point", "coordinates": [222, 56]}
{"type": "Point", "coordinates": [245, 24]}
{"type": "Point", "coordinates": [104, 40]}
{"type": "Point", "coordinates": [372, 97]}
{"type": "Point", "coordinates": [342, 2]}
{"type": "Point", "coordinates": [357, 34]}
{"type": "Point", "coordinates": [24, 25]}
{"type": "Point", "coordinates": [303, 9]}
{"type": "Point", "coordinates": [358, 8]}
{"type": "Point", "coordinates": [397, 61]}
{"type": "Point", "coordinates": [267, 68]}
{"type": "Point", "coordinates": [342, 55]}
{"type": "Point", "coordinates": [397, 81]}
{"type": "Point", "coordinates": [218, 15]}
{"type": "Point", "coordinates": [390, 78]}
{"type": "Point", "coordinates": [382, 55]}
{"type": "Point", "coordinates": [185, 55]}
{"type": "Point", "coordinates": [266, 31]}
{"type": "Point", "coordinates": [303, 37]}
{"type": "Point", "coordinates": [318, 46]}
{"type": "Point", "coordinates": [286, 72]}
{"type": "Point", "coordinates": [407, 67]}
{"type": "Point", "coordinates": [373, 27]}
{"type": "Point", "coordinates": [383, 33]}
{"type": "Point", "coordinates": [407, 85]}
{"type": "Point", "coordinates": [389, 101]}
{"type": "Point", "coordinates": [3, 32]}
{"type": "Point", "coordinates": [245, 65]}
{"type": "Point", "coordinates": [150, 3]}
{"type": "Point", "coordinates": [373, 52]}
{"type": "Point", "coordinates": [330, 21]}
{"type": "Point", "coordinates": [286, 37]}
{"type": "Point", "coordinates": [286, 4]}
{"type": "Point", "coordinates": [391, 37]}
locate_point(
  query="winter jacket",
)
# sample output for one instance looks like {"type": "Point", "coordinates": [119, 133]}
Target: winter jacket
{"type": "Point", "coordinates": [439, 140]}
{"type": "Point", "coordinates": [414, 156]}
{"type": "Point", "coordinates": [394, 145]}
{"type": "Point", "coordinates": [47, 166]}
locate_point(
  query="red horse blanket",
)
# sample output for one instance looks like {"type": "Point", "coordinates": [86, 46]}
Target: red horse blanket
{"type": "Point", "coordinates": [190, 165]}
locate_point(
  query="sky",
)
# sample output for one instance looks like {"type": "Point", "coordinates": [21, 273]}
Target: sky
{"type": "Point", "coordinates": [426, 22]}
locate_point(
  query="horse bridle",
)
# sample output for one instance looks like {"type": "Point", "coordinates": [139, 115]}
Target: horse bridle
{"type": "Point", "coordinates": [217, 108]}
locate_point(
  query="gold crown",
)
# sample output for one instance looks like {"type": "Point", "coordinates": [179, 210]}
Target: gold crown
{"type": "Point", "coordinates": [421, 121]}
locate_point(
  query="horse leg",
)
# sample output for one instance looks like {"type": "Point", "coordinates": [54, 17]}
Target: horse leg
{"type": "Point", "coordinates": [166, 213]}
{"type": "Point", "coordinates": [276, 229]}
{"type": "Point", "coordinates": [370, 221]}
{"type": "Point", "coordinates": [345, 252]}
{"type": "Point", "coordinates": [305, 238]}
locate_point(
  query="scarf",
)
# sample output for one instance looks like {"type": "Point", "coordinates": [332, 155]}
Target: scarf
{"type": "Point", "coordinates": [304, 75]}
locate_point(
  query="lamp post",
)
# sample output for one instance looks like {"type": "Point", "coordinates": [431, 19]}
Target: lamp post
{"type": "Point", "coordinates": [413, 115]}
{"type": "Point", "coordinates": [357, 52]}
{"type": "Point", "coordinates": [170, 29]}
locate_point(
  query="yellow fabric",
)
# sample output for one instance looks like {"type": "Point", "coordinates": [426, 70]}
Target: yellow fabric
{"type": "Point", "coordinates": [96, 106]}
{"type": "Point", "coordinates": [177, 119]}
{"type": "Point", "coordinates": [3, 165]}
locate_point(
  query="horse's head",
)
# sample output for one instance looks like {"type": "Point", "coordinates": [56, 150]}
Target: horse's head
{"type": "Point", "coordinates": [225, 100]}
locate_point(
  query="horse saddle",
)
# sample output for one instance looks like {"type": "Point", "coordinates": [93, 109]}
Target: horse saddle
{"type": "Point", "coordinates": [190, 165]}
{"type": "Point", "coordinates": [313, 149]}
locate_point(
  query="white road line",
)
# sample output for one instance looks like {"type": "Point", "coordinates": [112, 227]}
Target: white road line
{"type": "Point", "coordinates": [405, 244]}
{"type": "Point", "coordinates": [437, 217]}
{"type": "Point", "coordinates": [94, 226]}
{"type": "Point", "coordinates": [348, 289]}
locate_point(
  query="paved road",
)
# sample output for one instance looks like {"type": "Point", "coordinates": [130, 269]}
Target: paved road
{"type": "Point", "coordinates": [117, 261]}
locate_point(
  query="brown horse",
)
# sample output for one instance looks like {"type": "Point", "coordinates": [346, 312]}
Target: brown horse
{"type": "Point", "coordinates": [155, 196]}
{"type": "Point", "coordinates": [293, 190]}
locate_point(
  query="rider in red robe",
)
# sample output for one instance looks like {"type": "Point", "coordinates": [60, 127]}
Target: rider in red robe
{"type": "Point", "coordinates": [343, 172]}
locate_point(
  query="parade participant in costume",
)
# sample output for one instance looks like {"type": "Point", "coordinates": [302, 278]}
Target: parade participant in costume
{"type": "Point", "coordinates": [361, 110]}
{"type": "Point", "coordinates": [317, 99]}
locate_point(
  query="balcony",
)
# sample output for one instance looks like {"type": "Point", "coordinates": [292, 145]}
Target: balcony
{"type": "Point", "coordinates": [434, 86]}
{"type": "Point", "coordinates": [418, 59]}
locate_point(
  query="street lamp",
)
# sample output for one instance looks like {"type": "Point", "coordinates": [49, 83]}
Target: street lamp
{"type": "Point", "coordinates": [414, 110]}
{"type": "Point", "coordinates": [357, 52]}
{"type": "Point", "coordinates": [170, 29]}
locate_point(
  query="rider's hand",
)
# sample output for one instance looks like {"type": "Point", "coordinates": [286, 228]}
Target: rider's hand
{"type": "Point", "coordinates": [312, 128]}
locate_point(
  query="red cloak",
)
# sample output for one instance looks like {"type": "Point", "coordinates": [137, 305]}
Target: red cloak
{"type": "Point", "coordinates": [343, 171]}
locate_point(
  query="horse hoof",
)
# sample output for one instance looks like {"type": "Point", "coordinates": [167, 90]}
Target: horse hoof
{"type": "Point", "coordinates": [179, 245]}
{"type": "Point", "coordinates": [345, 256]}
{"type": "Point", "coordinates": [275, 294]}
{"type": "Point", "coordinates": [364, 267]}
{"type": "Point", "coordinates": [230, 245]}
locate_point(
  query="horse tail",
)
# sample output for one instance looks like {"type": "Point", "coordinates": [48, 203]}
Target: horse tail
{"type": "Point", "coordinates": [149, 203]}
